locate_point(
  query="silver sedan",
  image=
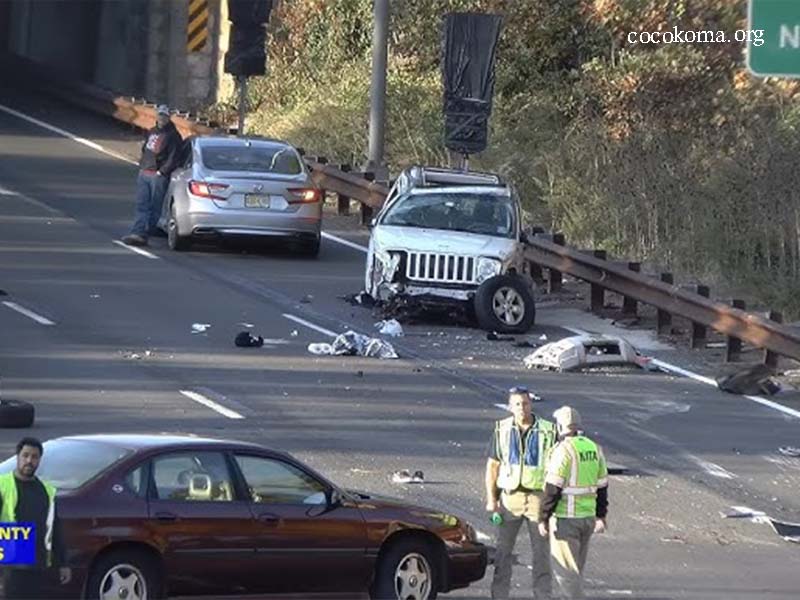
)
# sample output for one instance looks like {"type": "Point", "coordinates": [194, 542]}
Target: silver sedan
{"type": "Point", "coordinates": [230, 187]}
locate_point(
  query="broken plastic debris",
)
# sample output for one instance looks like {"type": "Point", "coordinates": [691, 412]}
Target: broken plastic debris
{"type": "Point", "coordinates": [790, 451]}
{"type": "Point", "coordinates": [543, 337]}
{"type": "Point", "coordinates": [351, 343]}
{"type": "Point", "coordinates": [294, 333]}
{"type": "Point", "coordinates": [788, 531]}
{"type": "Point", "coordinates": [405, 476]}
{"type": "Point", "coordinates": [582, 351]}
{"type": "Point", "coordinates": [320, 349]}
{"type": "Point", "coordinates": [94, 295]}
{"type": "Point", "coordinates": [307, 299]}
{"type": "Point", "coordinates": [389, 327]}
{"type": "Point", "coordinates": [248, 325]}
{"type": "Point", "coordinates": [200, 327]}
{"type": "Point", "coordinates": [493, 336]}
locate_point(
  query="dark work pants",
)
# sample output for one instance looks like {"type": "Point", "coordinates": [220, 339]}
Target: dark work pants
{"type": "Point", "coordinates": [23, 583]}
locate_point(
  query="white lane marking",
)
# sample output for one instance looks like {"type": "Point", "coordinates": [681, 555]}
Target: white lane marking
{"type": "Point", "coordinates": [200, 399]}
{"type": "Point", "coordinates": [503, 407]}
{"type": "Point", "coordinates": [28, 313]}
{"type": "Point", "coordinates": [66, 134]}
{"type": "Point", "coordinates": [134, 249]}
{"type": "Point", "coordinates": [7, 192]}
{"type": "Point", "coordinates": [575, 331]}
{"type": "Point", "coordinates": [344, 242]}
{"type": "Point", "coordinates": [621, 592]}
{"type": "Point", "coordinates": [310, 325]}
{"type": "Point", "coordinates": [780, 407]}
{"type": "Point", "coordinates": [714, 469]}
{"type": "Point", "coordinates": [678, 371]}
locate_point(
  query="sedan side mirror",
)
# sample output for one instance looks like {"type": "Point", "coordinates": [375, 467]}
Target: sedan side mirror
{"type": "Point", "coordinates": [373, 222]}
{"type": "Point", "coordinates": [334, 498]}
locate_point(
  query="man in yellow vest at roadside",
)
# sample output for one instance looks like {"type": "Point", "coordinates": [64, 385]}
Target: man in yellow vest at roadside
{"type": "Point", "coordinates": [516, 469]}
{"type": "Point", "coordinates": [575, 502]}
{"type": "Point", "coordinates": [24, 498]}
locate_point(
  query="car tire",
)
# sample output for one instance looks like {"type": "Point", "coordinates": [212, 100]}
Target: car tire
{"type": "Point", "coordinates": [16, 413]}
{"type": "Point", "coordinates": [407, 566]}
{"type": "Point", "coordinates": [135, 570]}
{"type": "Point", "coordinates": [505, 304]}
{"type": "Point", "coordinates": [310, 249]}
{"type": "Point", "coordinates": [175, 240]}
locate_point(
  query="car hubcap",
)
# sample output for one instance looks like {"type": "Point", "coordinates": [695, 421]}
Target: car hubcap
{"type": "Point", "coordinates": [412, 579]}
{"type": "Point", "coordinates": [508, 306]}
{"type": "Point", "coordinates": [172, 229]}
{"type": "Point", "coordinates": [123, 582]}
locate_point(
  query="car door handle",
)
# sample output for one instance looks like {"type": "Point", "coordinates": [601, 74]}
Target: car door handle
{"type": "Point", "coordinates": [166, 516]}
{"type": "Point", "coordinates": [269, 519]}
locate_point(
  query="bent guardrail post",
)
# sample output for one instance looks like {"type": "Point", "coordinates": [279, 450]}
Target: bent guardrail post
{"type": "Point", "coordinates": [629, 305]}
{"type": "Point", "coordinates": [598, 293]}
{"type": "Point", "coordinates": [770, 357]}
{"type": "Point", "coordinates": [664, 317]}
{"type": "Point", "coordinates": [699, 331]}
{"type": "Point", "coordinates": [554, 277]}
{"type": "Point", "coordinates": [733, 347]}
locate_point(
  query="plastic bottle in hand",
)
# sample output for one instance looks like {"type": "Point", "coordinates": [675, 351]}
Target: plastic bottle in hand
{"type": "Point", "coordinates": [497, 518]}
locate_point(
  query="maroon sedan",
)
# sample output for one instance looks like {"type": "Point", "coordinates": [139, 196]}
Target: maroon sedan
{"type": "Point", "coordinates": [146, 516]}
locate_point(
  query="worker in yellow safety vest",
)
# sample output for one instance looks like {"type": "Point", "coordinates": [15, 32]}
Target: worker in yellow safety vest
{"type": "Point", "coordinates": [515, 471]}
{"type": "Point", "coordinates": [575, 502]}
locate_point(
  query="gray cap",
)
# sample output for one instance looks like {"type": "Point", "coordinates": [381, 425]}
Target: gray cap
{"type": "Point", "coordinates": [567, 417]}
{"type": "Point", "coordinates": [162, 109]}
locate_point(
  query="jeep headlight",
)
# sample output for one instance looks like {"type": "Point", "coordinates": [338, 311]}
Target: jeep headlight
{"type": "Point", "coordinates": [487, 268]}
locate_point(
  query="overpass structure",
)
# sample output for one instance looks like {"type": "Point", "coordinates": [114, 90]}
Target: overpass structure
{"type": "Point", "coordinates": [168, 51]}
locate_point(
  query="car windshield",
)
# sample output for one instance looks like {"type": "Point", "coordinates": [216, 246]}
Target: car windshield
{"type": "Point", "coordinates": [270, 159]}
{"type": "Point", "coordinates": [485, 214]}
{"type": "Point", "coordinates": [68, 464]}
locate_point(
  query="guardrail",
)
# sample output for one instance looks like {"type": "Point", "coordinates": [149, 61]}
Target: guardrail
{"type": "Point", "coordinates": [551, 254]}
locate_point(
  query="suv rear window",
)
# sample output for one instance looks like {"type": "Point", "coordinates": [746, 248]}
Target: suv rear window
{"type": "Point", "coordinates": [68, 464]}
{"type": "Point", "coordinates": [257, 159]}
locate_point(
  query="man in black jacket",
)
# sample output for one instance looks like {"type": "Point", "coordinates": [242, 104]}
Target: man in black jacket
{"type": "Point", "coordinates": [160, 156]}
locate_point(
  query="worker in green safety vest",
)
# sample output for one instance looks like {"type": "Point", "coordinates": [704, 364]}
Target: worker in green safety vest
{"type": "Point", "coordinates": [514, 480]}
{"type": "Point", "coordinates": [24, 498]}
{"type": "Point", "coordinates": [575, 502]}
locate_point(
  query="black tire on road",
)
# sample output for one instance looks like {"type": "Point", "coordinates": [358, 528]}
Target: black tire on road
{"type": "Point", "coordinates": [408, 570]}
{"type": "Point", "coordinates": [505, 304]}
{"type": "Point", "coordinates": [174, 240]}
{"type": "Point", "coordinates": [16, 413]}
{"type": "Point", "coordinates": [132, 570]}
{"type": "Point", "coordinates": [310, 249]}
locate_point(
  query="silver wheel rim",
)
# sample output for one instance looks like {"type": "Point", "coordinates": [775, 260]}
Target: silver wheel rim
{"type": "Point", "coordinates": [123, 582]}
{"type": "Point", "coordinates": [508, 306]}
{"type": "Point", "coordinates": [412, 578]}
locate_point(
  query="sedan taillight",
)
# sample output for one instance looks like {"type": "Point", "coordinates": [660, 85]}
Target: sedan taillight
{"type": "Point", "coordinates": [207, 190]}
{"type": "Point", "coordinates": [304, 195]}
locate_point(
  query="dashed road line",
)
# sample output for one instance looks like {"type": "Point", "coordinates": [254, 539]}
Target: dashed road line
{"type": "Point", "coordinates": [344, 242]}
{"type": "Point", "coordinates": [310, 325]}
{"type": "Point", "coordinates": [135, 249]}
{"type": "Point", "coordinates": [201, 399]}
{"type": "Point", "coordinates": [28, 313]}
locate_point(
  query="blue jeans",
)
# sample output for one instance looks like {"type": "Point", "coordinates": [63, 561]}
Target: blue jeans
{"type": "Point", "coordinates": [150, 190]}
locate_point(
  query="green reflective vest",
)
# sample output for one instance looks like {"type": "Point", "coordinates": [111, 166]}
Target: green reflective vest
{"type": "Point", "coordinates": [8, 514]}
{"type": "Point", "coordinates": [578, 467]}
{"type": "Point", "coordinates": [526, 470]}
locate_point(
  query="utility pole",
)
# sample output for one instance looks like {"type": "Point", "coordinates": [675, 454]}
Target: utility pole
{"type": "Point", "coordinates": [242, 103]}
{"type": "Point", "coordinates": [377, 109]}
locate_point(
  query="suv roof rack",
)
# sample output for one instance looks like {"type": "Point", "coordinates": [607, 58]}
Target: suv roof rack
{"type": "Point", "coordinates": [439, 177]}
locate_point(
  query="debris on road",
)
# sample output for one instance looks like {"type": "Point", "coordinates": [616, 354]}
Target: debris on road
{"type": "Point", "coordinates": [405, 476]}
{"type": "Point", "coordinates": [94, 296]}
{"type": "Point", "coordinates": [248, 325]}
{"type": "Point", "coordinates": [245, 339]}
{"type": "Point", "coordinates": [788, 531]}
{"type": "Point", "coordinates": [790, 451]}
{"type": "Point", "coordinates": [390, 327]}
{"type": "Point", "coordinates": [351, 343]}
{"type": "Point", "coordinates": [525, 344]}
{"type": "Point", "coordinates": [755, 379]}
{"type": "Point", "coordinates": [493, 336]}
{"type": "Point", "coordinates": [359, 299]}
{"type": "Point", "coordinates": [586, 351]}
{"type": "Point", "coordinates": [200, 327]}
{"type": "Point", "coordinates": [307, 299]}
{"type": "Point", "coordinates": [294, 333]}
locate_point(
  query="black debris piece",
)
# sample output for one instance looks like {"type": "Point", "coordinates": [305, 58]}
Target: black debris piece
{"type": "Point", "coordinates": [247, 340]}
{"type": "Point", "coordinates": [752, 380]}
{"type": "Point", "coordinates": [493, 336]}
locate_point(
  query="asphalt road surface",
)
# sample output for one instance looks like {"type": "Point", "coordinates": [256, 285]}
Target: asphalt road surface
{"type": "Point", "coordinates": [100, 338]}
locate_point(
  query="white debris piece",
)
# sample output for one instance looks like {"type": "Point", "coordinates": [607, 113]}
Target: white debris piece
{"type": "Point", "coordinates": [200, 327]}
{"type": "Point", "coordinates": [351, 343]}
{"type": "Point", "coordinates": [582, 351]}
{"type": "Point", "coordinates": [390, 327]}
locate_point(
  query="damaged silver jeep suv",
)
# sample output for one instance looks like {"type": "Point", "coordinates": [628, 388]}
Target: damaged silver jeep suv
{"type": "Point", "coordinates": [446, 236]}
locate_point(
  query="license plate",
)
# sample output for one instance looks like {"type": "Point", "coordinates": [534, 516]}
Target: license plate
{"type": "Point", "coordinates": [256, 201]}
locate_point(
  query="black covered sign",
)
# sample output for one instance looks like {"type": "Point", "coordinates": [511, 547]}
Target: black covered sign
{"type": "Point", "coordinates": [247, 53]}
{"type": "Point", "coordinates": [469, 48]}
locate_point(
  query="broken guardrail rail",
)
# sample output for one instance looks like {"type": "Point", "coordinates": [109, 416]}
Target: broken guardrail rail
{"type": "Point", "coordinates": [545, 251]}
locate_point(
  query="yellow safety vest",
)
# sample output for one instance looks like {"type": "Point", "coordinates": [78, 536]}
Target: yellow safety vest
{"type": "Point", "coordinates": [517, 470]}
{"type": "Point", "coordinates": [8, 492]}
{"type": "Point", "coordinates": [578, 467]}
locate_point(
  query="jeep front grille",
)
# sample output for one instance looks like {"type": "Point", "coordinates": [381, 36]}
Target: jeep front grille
{"type": "Point", "coordinates": [442, 268]}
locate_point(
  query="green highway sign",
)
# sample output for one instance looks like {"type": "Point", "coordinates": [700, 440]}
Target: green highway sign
{"type": "Point", "coordinates": [773, 38]}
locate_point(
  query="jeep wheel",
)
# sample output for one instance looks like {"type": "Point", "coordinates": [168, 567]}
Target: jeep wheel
{"type": "Point", "coordinates": [505, 304]}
